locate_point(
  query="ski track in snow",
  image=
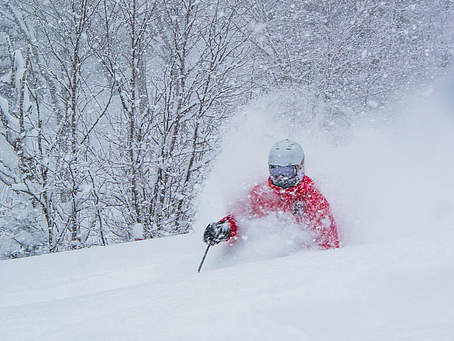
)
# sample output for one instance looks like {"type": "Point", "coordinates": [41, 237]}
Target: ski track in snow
{"type": "Point", "coordinates": [391, 191]}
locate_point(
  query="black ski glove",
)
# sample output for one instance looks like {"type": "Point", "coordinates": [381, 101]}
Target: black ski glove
{"type": "Point", "coordinates": [217, 232]}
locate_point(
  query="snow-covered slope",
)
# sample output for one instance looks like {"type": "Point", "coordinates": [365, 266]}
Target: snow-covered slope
{"type": "Point", "coordinates": [391, 186]}
{"type": "Point", "coordinates": [395, 290]}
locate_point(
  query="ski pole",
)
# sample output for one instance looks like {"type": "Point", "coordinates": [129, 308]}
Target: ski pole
{"type": "Point", "coordinates": [203, 259]}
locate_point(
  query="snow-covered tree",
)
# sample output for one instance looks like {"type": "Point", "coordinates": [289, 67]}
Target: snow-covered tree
{"type": "Point", "coordinates": [353, 53]}
{"type": "Point", "coordinates": [56, 108]}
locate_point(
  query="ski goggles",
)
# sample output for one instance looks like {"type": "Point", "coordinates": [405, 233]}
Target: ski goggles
{"type": "Point", "coordinates": [285, 171]}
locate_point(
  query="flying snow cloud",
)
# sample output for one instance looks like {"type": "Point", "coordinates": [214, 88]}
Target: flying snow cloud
{"type": "Point", "coordinates": [388, 175]}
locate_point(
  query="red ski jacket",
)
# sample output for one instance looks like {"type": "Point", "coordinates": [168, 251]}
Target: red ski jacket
{"type": "Point", "coordinates": [304, 202]}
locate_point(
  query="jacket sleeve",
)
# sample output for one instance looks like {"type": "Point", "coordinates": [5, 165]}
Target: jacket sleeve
{"type": "Point", "coordinates": [323, 223]}
{"type": "Point", "coordinates": [326, 229]}
{"type": "Point", "coordinates": [233, 225]}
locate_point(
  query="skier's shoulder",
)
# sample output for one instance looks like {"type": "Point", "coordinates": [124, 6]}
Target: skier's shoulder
{"type": "Point", "coordinates": [306, 185]}
{"type": "Point", "coordinates": [307, 181]}
{"type": "Point", "coordinates": [309, 188]}
{"type": "Point", "coordinates": [313, 194]}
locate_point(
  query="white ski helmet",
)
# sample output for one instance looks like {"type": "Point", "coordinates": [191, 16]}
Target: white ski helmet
{"type": "Point", "coordinates": [286, 163]}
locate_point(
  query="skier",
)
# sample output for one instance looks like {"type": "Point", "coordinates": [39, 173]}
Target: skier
{"type": "Point", "coordinates": [288, 190]}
